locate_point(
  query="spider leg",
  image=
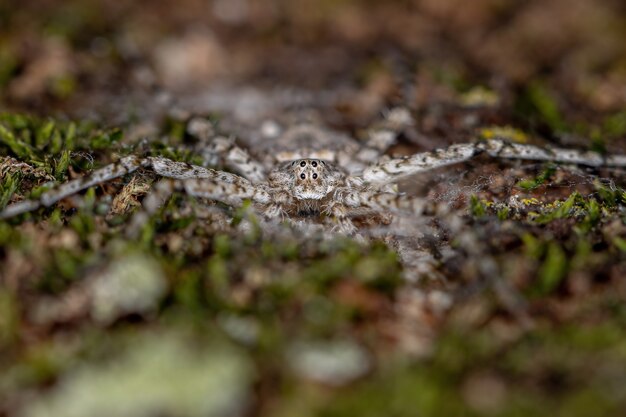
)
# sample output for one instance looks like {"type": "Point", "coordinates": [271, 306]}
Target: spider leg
{"type": "Point", "coordinates": [151, 203]}
{"type": "Point", "coordinates": [339, 214]}
{"type": "Point", "coordinates": [380, 201]}
{"type": "Point", "coordinates": [161, 166]}
{"type": "Point", "coordinates": [348, 202]}
{"type": "Point", "coordinates": [224, 151]}
{"type": "Point", "coordinates": [182, 170]}
{"type": "Point", "coordinates": [385, 134]}
{"type": "Point", "coordinates": [502, 149]}
{"type": "Point", "coordinates": [122, 167]}
{"type": "Point", "coordinates": [221, 151]}
{"type": "Point", "coordinates": [280, 204]}
{"type": "Point", "coordinates": [208, 183]}
{"type": "Point", "coordinates": [232, 193]}
{"type": "Point", "coordinates": [394, 122]}
{"type": "Point", "coordinates": [395, 169]}
{"type": "Point", "coordinates": [229, 189]}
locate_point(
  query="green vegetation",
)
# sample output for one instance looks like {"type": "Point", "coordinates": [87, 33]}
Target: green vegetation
{"type": "Point", "coordinates": [270, 302]}
{"type": "Point", "coordinates": [53, 145]}
{"type": "Point", "coordinates": [505, 297]}
{"type": "Point", "coordinates": [531, 184]}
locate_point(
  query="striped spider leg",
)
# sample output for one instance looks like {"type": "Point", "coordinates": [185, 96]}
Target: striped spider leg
{"type": "Point", "coordinates": [384, 134]}
{"type": "Point", "coordinates": [221, 151]}
{"type": "Point", "coordinates": [396, 169]}
{"type": "Point", "coordinates": [227, 187]}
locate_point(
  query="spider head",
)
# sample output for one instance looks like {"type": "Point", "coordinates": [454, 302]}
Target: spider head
{"type": "Point", "coordinates": [311, 179]}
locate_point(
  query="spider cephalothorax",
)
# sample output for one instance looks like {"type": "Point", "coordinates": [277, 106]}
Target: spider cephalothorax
{"type": "Point", "coordinates": [310, 179]}
{"type": "Point", "coordinates": [305, 186]}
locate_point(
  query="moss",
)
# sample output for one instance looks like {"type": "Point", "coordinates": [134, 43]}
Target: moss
{"type": "Point", "coordinates": [83, 223]}
{"type": "Point", "coordinates": [503, 132]}
{"type": "Point", "coordinates": [8, 187]}
{"type": "Point", "coordinates": [561, 210]}
{"type": "Point", "coordinates": [61, 166]}
{"type": "Point", "coordinates": [175, 129]}
{"type": "Point", "coordinates": [63, 87]}
{"type": "Point", "coordinates": [9, 319]}
{"type": "Point", "coordinates": [35, 140]}
{"type": "Point", "coordinates": [188, 291]}
{"type": "Point", "coordinates": [531, 184]}
{"type": "Point", "coordinates": [105, 139]}
{"type": "Point", "coordinates": [610, 196]}
{"type": "Point", "coordinates": [42, 363]}
{"type": "Point", "coordinates": [553, 269]}
{"type": "Point", "coordinates": [619, 243]}
{"type": "Point", "coordinates": [539, 104]}
{"type": "Point", "coordinates": [532, 246]}
{"type": "Point", "coordinates": [610, 128]}
{"type": "Point", "coordinates": [451, 76]}
{"type": "Point", "coordinates": [503, 213]}
{"type": "Point", "coordinates": [18, 147]}
{"type": "Point", "coordinates": [159, 148]}
{"type": "Point", "coordinates": [593, 215]}
{"type": "Point", "coordinates": [614, 126]}
{"type": "Point", "coordinates": [477, 207]}
{"type": "Point", "coordinates": [480, 97]}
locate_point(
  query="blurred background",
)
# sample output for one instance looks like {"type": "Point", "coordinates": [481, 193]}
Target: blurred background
{"type": "Point", "coordinates": [529, 56]}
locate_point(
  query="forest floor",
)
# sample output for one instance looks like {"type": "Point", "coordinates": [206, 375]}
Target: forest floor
{"type": "Point", "coordinates": [513, 304]}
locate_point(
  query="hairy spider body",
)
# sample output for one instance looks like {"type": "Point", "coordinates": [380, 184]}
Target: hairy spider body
{"type": "Point", "coordinates": [309, 179]}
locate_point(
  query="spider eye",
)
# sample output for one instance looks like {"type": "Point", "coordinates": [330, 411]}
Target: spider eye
{"type": "Point", "coordinates": [302, 163]}
{"type": "Point", "coordinates": [314, 164]}
{"type": "Point", "coordinates": [302, 175]}
{"type": "Point", "coordinates": [314, 176]}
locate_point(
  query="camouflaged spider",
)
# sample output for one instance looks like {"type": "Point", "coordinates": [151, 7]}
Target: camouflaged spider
{"type": "Point", "coordinates": [302, 187]}
{"type": "Point", "coordinates": [308, 185]}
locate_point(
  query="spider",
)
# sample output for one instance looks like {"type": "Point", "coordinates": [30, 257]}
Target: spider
{"type": "Point", "coordinates": [307, 182]}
